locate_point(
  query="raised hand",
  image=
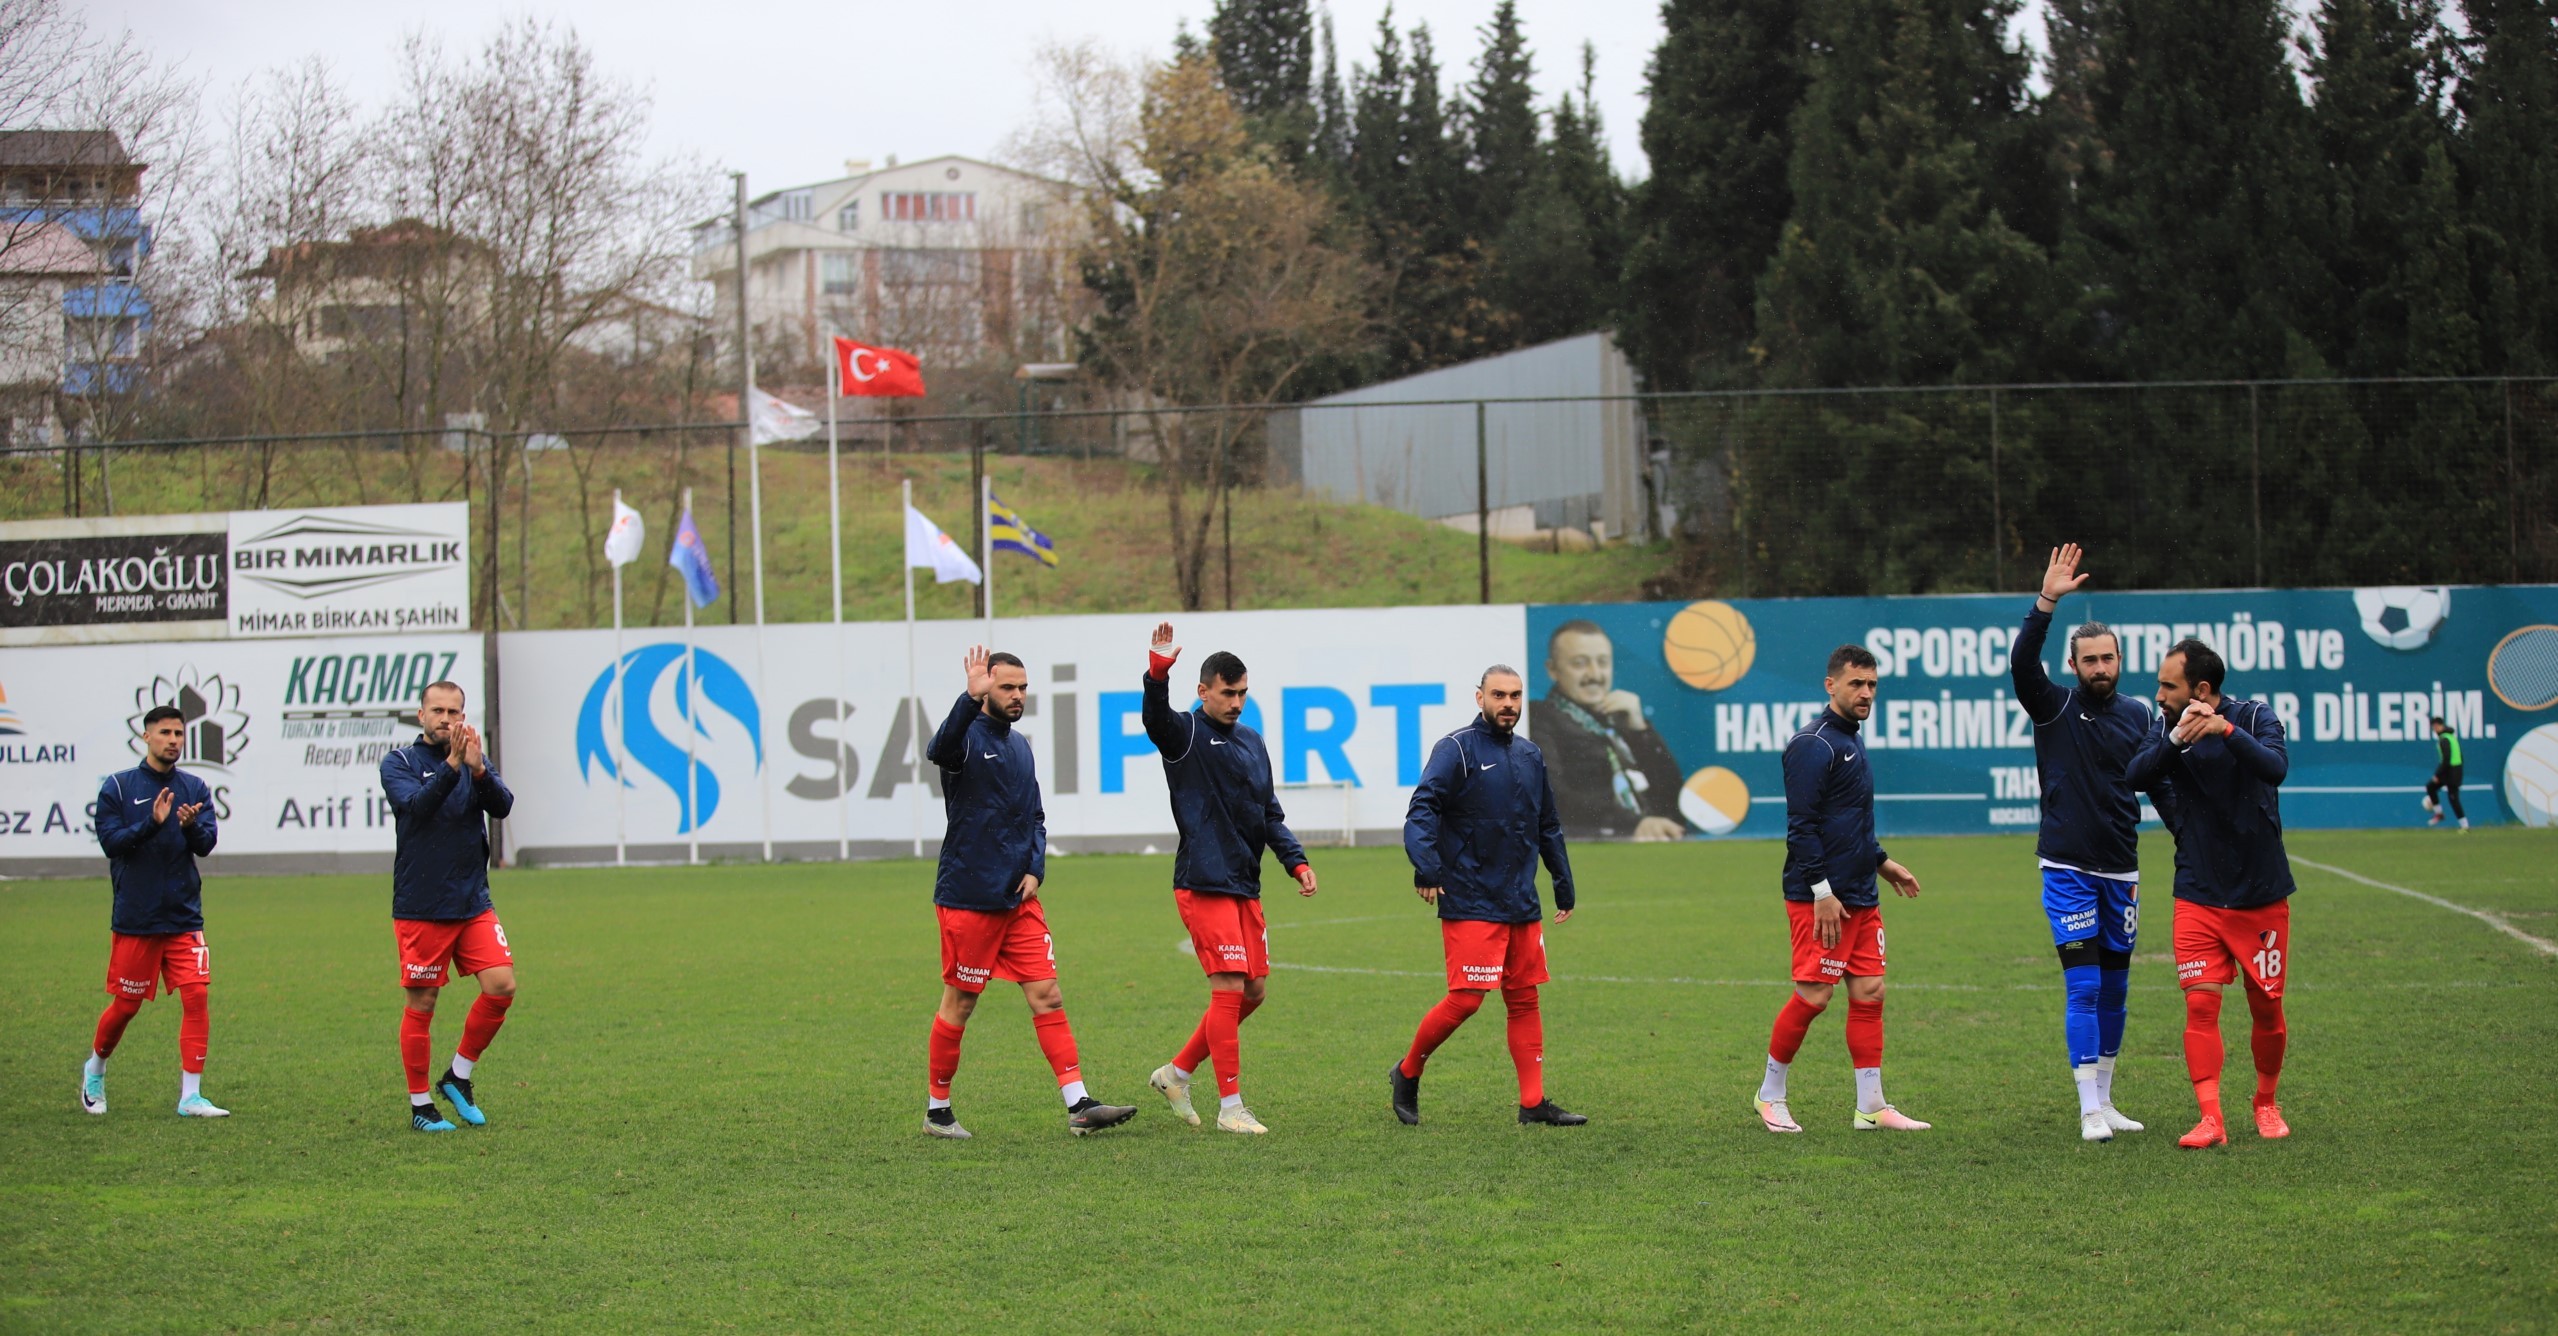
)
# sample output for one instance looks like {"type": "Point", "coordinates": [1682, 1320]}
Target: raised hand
{"type": "Point", "coordinates": [188, 813]}
{"type": "Point", "coordinates": [981, 679]}
{"type": "Point", "coordinates": [1162, 646]}
{"type": "Point", "coordinates": [2063, 577]}
{"type": "Point", "coordinates": [473, 755]}
{"type": "Point", "coordinates": [160, 809]}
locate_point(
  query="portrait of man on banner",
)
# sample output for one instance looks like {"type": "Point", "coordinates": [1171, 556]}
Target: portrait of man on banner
{"type": "Point", "coordinates": [1614, 776]}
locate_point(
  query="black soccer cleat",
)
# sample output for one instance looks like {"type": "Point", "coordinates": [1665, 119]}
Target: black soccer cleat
{"type": "Point", "coordinates": [457, 1091]}
{"type": "Point", "coordinates": [1091, 1115]}
{"type": "Point", "coordinates": [1405, 1093]}
{"type": "Point", "coordinates": [1551, 1114]}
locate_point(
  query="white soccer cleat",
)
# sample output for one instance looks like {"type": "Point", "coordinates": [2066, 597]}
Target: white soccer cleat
{"type": "Point", "coordinates": [1239, 1119]}
{"type": "Point", "coordinates": [93, 1091]}
{"type": "Point", "coordinates": [1777, 1117]}
{"type": "Point", "coordinates": [2093, 1127]}
{"type": "Point", "coordinates": [2114, 1119]}
{"type": "Point", "coordinates": [1176, 1091]}
{"type": "Point", "coordinates": [197, 1106]}
{"type": "Point", "coordinates": [1888, 1119]}
{"type": "Point", "coordinates": [949, 1131]}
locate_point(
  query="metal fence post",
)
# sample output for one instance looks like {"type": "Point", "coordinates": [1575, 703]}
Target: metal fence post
{"type": "Point", "coordinates": [1998, 521]}
{"type": "Point", "coordinates": [2256, 480]}
{"type": "Point", "coordinates": [2513, 494]}
{"type": "Point", "coordinates": [488, 643]}
{"type": "Point", "coordinates": [1482, 506]}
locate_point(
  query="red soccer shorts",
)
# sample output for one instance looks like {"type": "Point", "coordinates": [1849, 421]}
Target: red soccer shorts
{"type": "Point", "coordinates": [1860, 948]}
{"type": "Point", "coordinates": [1493, 955]}
{"type": "Point", "coordinates": [469, 945]}
{"type": "Point", "coordinates": [1227, 933]}
{"type": "Point", "coordinates": [136, 965]}
{"type": "Point", "coordinates": [978, 947]}
{"type": "Point", "coordinates": [2212, 945]}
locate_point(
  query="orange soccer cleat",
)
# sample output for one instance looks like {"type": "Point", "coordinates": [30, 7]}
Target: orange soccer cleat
{"type": "Point", "coordinates": [1777, 1117]}
{"type": "Point", "coordinates": [2269, 1121]}
{"type": "Point", "coordinates": [2208, 1132]}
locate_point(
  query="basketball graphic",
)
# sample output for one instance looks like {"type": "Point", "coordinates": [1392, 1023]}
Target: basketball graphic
{"type": "Point", "coordinates": [1714, 800]}
{"type": "Point", "coordinates": [2531, 777]}
{"type": "Point", "coordinates": [1709, 645]}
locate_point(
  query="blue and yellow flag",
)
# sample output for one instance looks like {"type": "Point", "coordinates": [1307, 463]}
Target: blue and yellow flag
{"type": "Point", "coordinates": [1007, 533]}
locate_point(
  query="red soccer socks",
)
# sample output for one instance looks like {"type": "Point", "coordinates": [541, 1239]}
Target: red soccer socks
{"type": "Point", "coordinates": [1437, 1024]}
{"type": "Point", "coordinates": [2203, 1049]}
{"type": "Point", "coordinates": [416, 1050]}
{"type": "Point", "coordinates": [1225, 1047]}
{"type": "Point", "coordinates": [1057, 1041]}
{"type": "Point", "coordinates": [1197, 1049]}
{"type": "Point", "coordinates": [2267, 1040]}
{"type": "Point", "coordinates": [195, 1027]}
{"type": "Point", "coordinates": [1527, 1044]}
{"type": "Point", "coordinates": [111, 1022]}
{"type": "Point", "coordinates": [478, 1028]}
{"type": "Point", "coordinates": [1865, 1033]}
{"type": "Point", "coordinates": [1793, 1021]}
{"type": "Point", "coordinates": [941, 1056]}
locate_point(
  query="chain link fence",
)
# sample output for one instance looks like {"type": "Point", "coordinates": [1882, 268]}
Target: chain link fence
{"type": "Point", "coordinates": [1755, 494]}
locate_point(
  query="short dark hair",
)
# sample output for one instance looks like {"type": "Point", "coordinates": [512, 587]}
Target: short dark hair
{"type": "Point", "coordinates": [1849, 656]}
{"type": "Point", "coordinates": [1578, 626]}
{"type": "Point", "coordinates": [2437, 721]}
{"type": "Point", "coordinates": [2089, 631]}
{"type": "Point", "coordinates": [159, 712]}
{"type": "Point", "coordinates": [1498, 670]}
{"type": "Point", "coordinates": [1002, 659]}
{"type": "Point", "coordinates": [1221, 666]}
{"type": "Point", "coordinates": [454, 687]}
{"type": "Point", "coordinates": [2202, 662]}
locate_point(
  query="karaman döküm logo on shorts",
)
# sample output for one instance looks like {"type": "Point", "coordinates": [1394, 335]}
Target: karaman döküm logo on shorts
{"type": "Point", "coordinates": [648, 738]}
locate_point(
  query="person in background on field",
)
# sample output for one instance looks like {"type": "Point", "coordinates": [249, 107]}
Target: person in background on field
{"type": "Point", "coordinates": [153, 822]}
{"type": "Point", "coordinates": [2445, 783]}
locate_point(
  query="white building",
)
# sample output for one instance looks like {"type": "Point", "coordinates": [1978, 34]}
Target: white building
{"type": "Point", "coordinates": [950, 257]}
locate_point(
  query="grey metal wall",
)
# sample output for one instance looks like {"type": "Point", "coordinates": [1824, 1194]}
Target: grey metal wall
{"type": "Point", "coordinates": [1574, 462]}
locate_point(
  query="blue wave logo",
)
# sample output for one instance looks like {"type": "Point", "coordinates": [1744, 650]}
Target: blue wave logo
{"type": "Point", "coordinates": [721, 687]}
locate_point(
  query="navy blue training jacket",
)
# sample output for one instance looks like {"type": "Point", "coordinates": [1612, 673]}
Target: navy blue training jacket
{"type": "Point", "coordinates": [152, 863]}
{"type": "Point", "coordinates": [2220, 798]}
{"type": "Point", "coordinates": [1829, 813]}
{"type": "Point", "coordinates": [1222, 802]}
{"type": "Point", "coordinates": [1481, 818]}
{"type": "Point", "coordinates": [440, 866]}
{"type": "Point", "coordinates": [2091, 815]}
{"type": "Point", "coordinates": [998, 830]}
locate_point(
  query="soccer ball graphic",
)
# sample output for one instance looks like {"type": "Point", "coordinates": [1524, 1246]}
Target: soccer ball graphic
{"type": "Point", "coordinates": [2531, 777]}
{"type": "Point", "coordinates": [2402, 616]}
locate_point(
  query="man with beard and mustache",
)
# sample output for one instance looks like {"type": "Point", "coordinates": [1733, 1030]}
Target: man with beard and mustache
{"type": "Point", "coordinates": [1615, 777]}
{"type": "Point", "coordinates": [986, 892]}
{"type": "Point", "coordinates": [2085, 740]}
{"type": "Point", "coordinates": [1481, 818]}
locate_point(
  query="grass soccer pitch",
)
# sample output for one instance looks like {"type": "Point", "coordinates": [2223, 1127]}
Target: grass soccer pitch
{"type": "Point", "coordinates": [705, 1113]}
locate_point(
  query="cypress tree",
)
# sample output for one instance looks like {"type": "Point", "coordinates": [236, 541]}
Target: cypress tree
{"type": "Point", "coordinates": [1265, 58]}
{"type": "Point", "coordinates": [1501, 123]}
{"type": "Point", "coordinates": [2508, 155]}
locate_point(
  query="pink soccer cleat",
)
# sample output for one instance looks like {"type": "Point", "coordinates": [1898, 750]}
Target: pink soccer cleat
{"type": "Point", "coordinates": [1774, 1113]}
{"type": "Point", "coordinates": [1889, 1119]}
{"type": "Point", "coordinates": [2208, 1132]}
{"type": "Point", "coordinates": [2269, 1121]}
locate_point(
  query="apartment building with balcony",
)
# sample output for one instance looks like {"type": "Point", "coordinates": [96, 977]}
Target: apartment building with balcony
{"type": "Point", "coordinates": [72, 317]}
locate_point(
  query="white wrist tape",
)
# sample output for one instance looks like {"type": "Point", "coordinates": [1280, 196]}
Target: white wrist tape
{"type": "Point", "coordinates": [1821, 890]}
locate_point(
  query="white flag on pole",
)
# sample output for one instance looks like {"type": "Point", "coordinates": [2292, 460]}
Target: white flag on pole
{"type": "Point", "coordinates": [622, 541]}
{"type": "Point", "coordinates": [927, 546]}
{"type": "Point", "coordinates": [779, 420]}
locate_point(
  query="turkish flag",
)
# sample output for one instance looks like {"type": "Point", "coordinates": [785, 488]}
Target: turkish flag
{"type": "Point", "coordinates": [888, 372]}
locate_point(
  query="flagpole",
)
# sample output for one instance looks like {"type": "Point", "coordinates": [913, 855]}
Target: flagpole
{"type": "Point", "coordinates": [755, 522]}
{"type": "Point", "coordinates": [835, 540]}
{"type": "Point", "coordinates": [986, 548]}
{"type": "Point", "coordinates": [692, 685]}
{"type": "Point", "coordinates": [914, 708]}
{"type": "Point", "coordinates": [621, 713]}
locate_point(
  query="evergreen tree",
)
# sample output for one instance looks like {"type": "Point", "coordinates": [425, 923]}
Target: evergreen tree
{"type": "Point", "coordinates": [1333, 127]}
{"type": "Point", "coordinates": [1409, 180]}
{"type": "Point", "coordinates": [1501, 123]}
{"type": "Point", "coordinates": [1560, 253]}
{"type": "Point", "coordinates": [1723, 87]}
{"type": "Point", "coordinates": [2200, 215]}
{"type": "Point", "coordinates": [1265, 58]}
{"type": "Point", "coordinates": [2508, 154]}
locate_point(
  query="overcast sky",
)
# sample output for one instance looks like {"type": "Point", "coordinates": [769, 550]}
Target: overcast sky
{"type": "Point", "coordinates": [788, 89]}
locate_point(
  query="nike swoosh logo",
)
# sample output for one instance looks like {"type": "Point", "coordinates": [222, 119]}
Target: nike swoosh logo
{"type": "Point", "coordinates": [1216, 742]}
{"type": "Point", "coordinates": [139, 801]}
{"type": "Point", "coordinates": [1489, 767]}
{"type": "Point", "coordinates": [990, 756]}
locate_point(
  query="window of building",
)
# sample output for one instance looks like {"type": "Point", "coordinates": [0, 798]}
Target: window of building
{"type": "Point", "coordinates": [841, 271]}
{"type": "Point", "coordinates": [849, 217]}
{"type": "Point", "coordinates": [797, 206]}
{"type": "Point", "coordinates": [928, 206]}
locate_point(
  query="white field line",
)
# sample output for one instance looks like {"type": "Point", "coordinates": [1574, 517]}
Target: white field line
{"type": "Point", "coordinates": [1898, 985]}
{"type": "Point", "coordinates": [2495, 921]}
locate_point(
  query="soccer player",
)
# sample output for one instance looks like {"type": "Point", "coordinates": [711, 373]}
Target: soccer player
{"type": "Point", "coordinates": [442, 792]}
{"type": "Point", "coordinates": [2089, 848]}
{"type": "Point", "coordinates": [986, 893]}
{"type": "Point", "coordinates": [2446, 780]}
{"type": "Point", "coordinates": [2216, 772]}
{"type": "Point", "coordinates": [1481, 818]}
{"type": "Point", "coordinates": [154, 821]}
{"type": "Point", "coordinates": [1227, 813]}
{"type": "Point", "coordinates": [1836, 913]}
